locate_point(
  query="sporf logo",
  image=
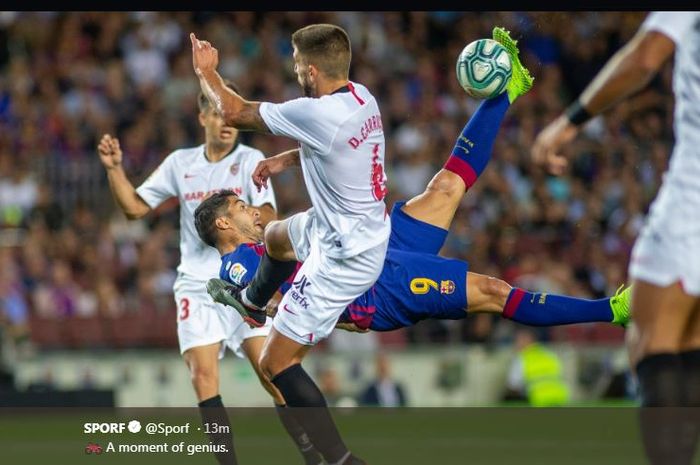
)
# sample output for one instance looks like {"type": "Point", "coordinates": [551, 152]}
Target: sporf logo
{"type": "Point", "coordinates": [134, 426]}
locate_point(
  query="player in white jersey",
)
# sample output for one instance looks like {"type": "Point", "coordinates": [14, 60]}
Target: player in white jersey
{"type": "Point", "coordinates": [342, 239]}
{"type": "Point", "coordinates": [204, 328]}
{"type": "Point", "coordinates": [665, 262]}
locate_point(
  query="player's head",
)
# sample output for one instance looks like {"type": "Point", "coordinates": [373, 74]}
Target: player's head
{"type": "Point", "coordinates": [320, 50]}
{"type": "Point", "coordinates": [216, 131]}
{"type": "Point", "coordinates": [224, 219]}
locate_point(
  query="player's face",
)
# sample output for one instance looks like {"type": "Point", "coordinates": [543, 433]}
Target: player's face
{"type": "Point", "coordinates": [215, 129]}
{"type": "Point", "coordinates": [245, 219]}
{"type": "Point", "coordinates": [302, 70]}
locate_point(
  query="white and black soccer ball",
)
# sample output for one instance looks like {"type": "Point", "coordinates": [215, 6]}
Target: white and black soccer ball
{"type": "Point", "coordinates": [484, 69]}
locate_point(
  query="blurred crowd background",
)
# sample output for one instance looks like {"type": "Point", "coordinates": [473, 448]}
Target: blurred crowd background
{"type": "Point", "coordinates": [67, 255]}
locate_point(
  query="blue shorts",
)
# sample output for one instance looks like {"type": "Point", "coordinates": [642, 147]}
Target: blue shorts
{"type": "Point", "coordinates": [416, 283]}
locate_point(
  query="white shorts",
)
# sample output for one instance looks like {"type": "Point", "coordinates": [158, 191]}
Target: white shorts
{"type": "Point", "coordinates": [201, 321]}
{"type": "Point", "coordinates": [668, 247]}
{"type": "Point", "coordinates": [323, 286]}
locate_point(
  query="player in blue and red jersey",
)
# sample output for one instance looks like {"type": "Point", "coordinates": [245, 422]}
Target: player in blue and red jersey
{"type": "Point", "coordinates": [415, 283]}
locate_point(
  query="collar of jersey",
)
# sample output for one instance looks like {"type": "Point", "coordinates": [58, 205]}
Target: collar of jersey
{"type": "Point", "coordinates": [342, 90]}
{"type": "Point", "coordinates": [233, 149]}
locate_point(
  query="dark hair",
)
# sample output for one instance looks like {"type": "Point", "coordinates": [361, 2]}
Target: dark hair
{"type": "Point", "coordinates": [325, 46]}
{"type": "Point", "coordinates": [207, 212]}
{"type": "Point", "coordinates": [203, 101]}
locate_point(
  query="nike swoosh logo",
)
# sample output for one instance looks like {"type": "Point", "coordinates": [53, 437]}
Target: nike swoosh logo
{"type": "Point", "coordinates": [288, 310]}
{"type": "Point", "coordinates": [188, 176]}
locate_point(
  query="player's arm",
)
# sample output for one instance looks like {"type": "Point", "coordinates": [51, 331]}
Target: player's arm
{"type": "Point", "coordinates": [236, 111]}
{"type": "Point", "coordinates": [274, 165]}
{"type": "Point", "coordinates": [123, 191]}
{"type": "Point", "coordinates": [628, 71]}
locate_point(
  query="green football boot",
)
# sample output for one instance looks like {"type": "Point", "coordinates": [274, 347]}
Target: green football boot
{"type": "Point", "coordinates": [520, 80]}
{"type": "Point", "coordinates": [620, 305]}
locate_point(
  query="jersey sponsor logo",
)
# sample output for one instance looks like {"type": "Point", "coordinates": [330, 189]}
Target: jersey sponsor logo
{"type": "Point", "coordinates": [297, 292]}
{"type": "Point", "coordinates": [302, 283]}
{"type": "Point", "coordinates": [372, 124]}
{"type": "Point", "coordinates": [447, 287]}
{"type": "Point", "coordinates": [201, 195]}
{"type": "Point", "coordinates": [236, 273]}
{"type": "Point", "coordinates": [234, 168]}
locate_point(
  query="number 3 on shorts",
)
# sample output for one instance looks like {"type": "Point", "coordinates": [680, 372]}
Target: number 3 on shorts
{"type": "Point", "coordinates": [184, 308]}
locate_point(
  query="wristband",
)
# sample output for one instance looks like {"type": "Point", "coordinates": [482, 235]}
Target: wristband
{"type": "Point", "coordinates": [576, 114]}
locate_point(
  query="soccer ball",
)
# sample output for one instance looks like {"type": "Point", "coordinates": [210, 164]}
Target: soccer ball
{"type": "Point", "coordinates": [484, 69]}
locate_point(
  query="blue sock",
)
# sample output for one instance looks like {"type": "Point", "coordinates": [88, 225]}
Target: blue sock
{"type": "Point", "coordinates": [542, 309]}
{"type": "Point", "coordinates": [473, 148]}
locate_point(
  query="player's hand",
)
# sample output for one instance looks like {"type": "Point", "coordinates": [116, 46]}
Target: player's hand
{"type": "Point", "coordinates": [110, 152]}
{"type": "Point", "coordinates": [351, 327]}
{"type": "Point", "coordinates": [271, 309]}
{"type": "Point", "coordinates": [548, 144]}
{"type": "Point", "coordinates": [204, 56]}
{"type": "Point", "coordinates": [265, 169]}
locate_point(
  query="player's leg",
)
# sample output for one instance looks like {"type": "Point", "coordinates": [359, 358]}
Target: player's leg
{"type": "Point", "coordinates": [486, 294]}
{"type": "Point", "coordinates": [307, 314]}
{"type": "Point", "coordinates": [281, 362]}
{"type": "Point", "coordinates": [472, 150]}
{"type": "Point", "coordinates": [661, 315]}
{"type": "Point", "coordinates": [416, 286]}
{"type": "Point", "coordinates": [253, 347]}
{"type": "Point", "coordinates": [203, 363]}
{"type": "Point", "coordinates": [278, 263]}
{"type": "Point", "coordinates": [690, 356]}
{"type": "Point", "coordinates": [200, 333]}
{"type": "Point", "coordinates": [470, 155]}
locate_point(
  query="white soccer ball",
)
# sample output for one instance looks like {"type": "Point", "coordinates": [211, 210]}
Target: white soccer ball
{"type": "Point", "coordinates": [484, 69]}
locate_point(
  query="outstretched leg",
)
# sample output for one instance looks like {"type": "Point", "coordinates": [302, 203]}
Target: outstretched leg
{"type": "Point", "coordinates": [472, 151]}
{"type": "Point", "coordinates": [492, 295]}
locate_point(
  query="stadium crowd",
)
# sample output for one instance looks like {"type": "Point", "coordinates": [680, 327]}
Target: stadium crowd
{"type": "Point", "coordinates": [68, 78]}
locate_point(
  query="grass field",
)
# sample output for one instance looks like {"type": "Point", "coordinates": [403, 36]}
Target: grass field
{"type": "Point", "coordinates": [493, 436]}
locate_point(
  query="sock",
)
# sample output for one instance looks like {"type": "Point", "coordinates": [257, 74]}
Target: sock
{"type": "Point", "coordinates": [299, 390]}
{"type": "Point", "coordinates": [691, 386]}
{"type": "Point", "coordinates": [269, 277]}
{"type": "Point", "coordinates": [660, 385]}
{"type": "Point", "coordinates": [542, 309]}
{"type": "Point", "coordinates": [298, 435]}
{"type": "Point", "coordinates": [691, 377]}
{"type": "Point", "coordinates": [473, 148]}
{"type": "Point", "coordinates": [213, 411]}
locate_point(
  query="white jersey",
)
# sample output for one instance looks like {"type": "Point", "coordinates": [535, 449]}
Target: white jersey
{"type": "Point", "coordinates": [342, 157]}
{"type": "Point", "coordinates": [683, 27]}
{"type": "Point", "coordinates": [189, 176]}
